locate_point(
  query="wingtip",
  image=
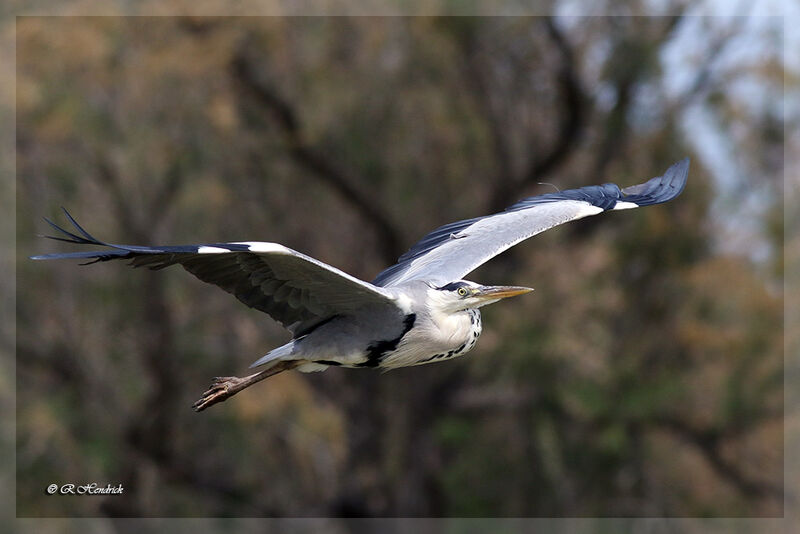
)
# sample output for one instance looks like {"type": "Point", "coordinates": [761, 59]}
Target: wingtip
{"type": "Point", "coordinates": [683, 164]}
{"type": "Point", "coordinates": [678, 174]}
{"type": "Point", "coordinates": [672, 182]}
{"type": "Point", "coordinates": [661, 188]}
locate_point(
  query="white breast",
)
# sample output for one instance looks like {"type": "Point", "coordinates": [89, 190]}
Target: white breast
{"type": "Point", "coordinates": [445, 336]}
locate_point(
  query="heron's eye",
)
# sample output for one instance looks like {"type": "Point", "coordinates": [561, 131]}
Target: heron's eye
{"type": "Point", "coordinates": [462, 291]}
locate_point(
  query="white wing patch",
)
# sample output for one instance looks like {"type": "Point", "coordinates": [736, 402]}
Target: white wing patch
{"type": "Point", "coordinates": [620, 205]}
{"type": "Point", "coordinates": [587, 210]}
{"type": "Point", "coordinates": [261, 246]}
{"type": "Point", "coordinates": [252, 246]}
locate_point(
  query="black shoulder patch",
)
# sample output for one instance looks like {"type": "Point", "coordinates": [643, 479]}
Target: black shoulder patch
{"type": "Point", "coordinates": [377, 350]}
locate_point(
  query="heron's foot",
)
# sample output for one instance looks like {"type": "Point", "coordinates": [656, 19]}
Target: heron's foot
{"type": "Point", "coordinates": [226, 386]}
{"type": "Point", "coordinates": [221, 388]}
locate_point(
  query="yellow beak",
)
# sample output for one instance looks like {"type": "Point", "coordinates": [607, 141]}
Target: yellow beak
{"type": "Point", "coordinates": [501, 292]}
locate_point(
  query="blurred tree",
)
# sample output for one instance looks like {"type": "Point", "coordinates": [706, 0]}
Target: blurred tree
{"type": "Point", "coordinates": [642, 378]}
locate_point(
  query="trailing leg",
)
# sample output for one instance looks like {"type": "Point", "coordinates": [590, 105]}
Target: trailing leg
{"type": "Point", "coordinates": [227, 386]}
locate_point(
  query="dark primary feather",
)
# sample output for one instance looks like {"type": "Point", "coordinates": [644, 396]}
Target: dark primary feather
{"type": "Point", "coordinates": [655, 191]}
{"type": "Point", "coordinates": [121, 251]}
{"type": "Point", "coordinates": [296, 290]}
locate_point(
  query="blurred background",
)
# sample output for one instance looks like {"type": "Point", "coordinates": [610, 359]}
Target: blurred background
{"type": "Point", "coordinates": [644, 377]}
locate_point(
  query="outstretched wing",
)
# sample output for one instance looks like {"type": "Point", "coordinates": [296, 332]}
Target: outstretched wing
{"type": "Point", "coordinates": [296, 290]}
{"type": "Point", "coordinates": [453, 250]}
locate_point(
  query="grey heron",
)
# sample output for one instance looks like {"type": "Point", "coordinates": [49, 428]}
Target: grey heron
{"type": "Point", "coordinates": [418, 311]}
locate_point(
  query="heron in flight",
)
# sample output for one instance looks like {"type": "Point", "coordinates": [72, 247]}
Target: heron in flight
{"type": "Point", "coordinates": [418, 311]}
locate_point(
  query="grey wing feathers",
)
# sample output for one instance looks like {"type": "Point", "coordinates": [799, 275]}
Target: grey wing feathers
{"type": "Point", "coordinates": [295, 289]}
{"type": "Point", "coordinates": [453, 250]}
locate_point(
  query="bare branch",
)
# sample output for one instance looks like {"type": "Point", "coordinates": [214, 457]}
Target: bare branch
{"type": "Point", "coordinates": [703, 80]}
{"type": "Point", "coordinates": [571, 123]}
{"type": "Point", "coordinates": [709, 442]}
{"type": "Point", "coordinates": [508, 185]}
{"type": "Point", "coordinates": [310, 159]}
{"type": "Point", "coordinates": [480, 92]}
{"type": "Point", "coordinates": [573, 112]}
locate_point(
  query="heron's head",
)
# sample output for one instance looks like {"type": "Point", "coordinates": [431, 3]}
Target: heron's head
{"type": "Point", "coordinates": [463, 294]}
